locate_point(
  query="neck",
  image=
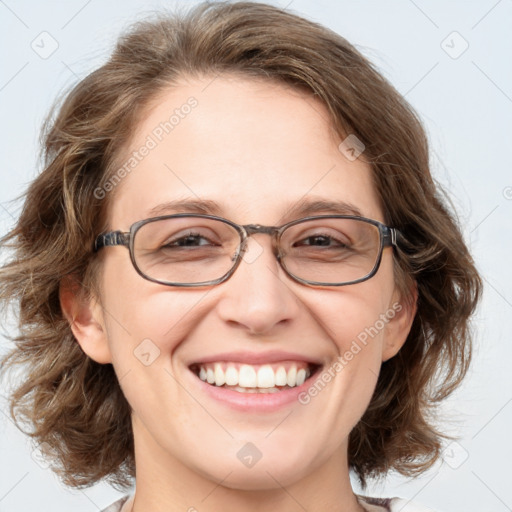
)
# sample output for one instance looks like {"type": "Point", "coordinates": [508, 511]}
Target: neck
{"type": "Point", "coordinates": [165, 484]}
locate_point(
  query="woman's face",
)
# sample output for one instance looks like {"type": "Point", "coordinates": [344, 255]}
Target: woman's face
{"type": "Point", "coordinates": [257, 149]}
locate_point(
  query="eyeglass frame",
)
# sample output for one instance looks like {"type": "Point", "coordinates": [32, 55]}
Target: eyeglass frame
{"type": "Point", "coordinates": [388, 237]}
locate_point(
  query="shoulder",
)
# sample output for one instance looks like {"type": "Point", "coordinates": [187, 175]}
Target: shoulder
{"type": "Point", "coordinates": [116, 507]}
{"type": "Point", "coordinates": [392, 505]}
{"type": "Point", "coordinates": [376, 504]}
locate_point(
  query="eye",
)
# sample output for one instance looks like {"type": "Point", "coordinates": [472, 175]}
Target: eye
{"type": "Point", "coordinates": [189, 240]}
{"type": "Point", "coordinates": [324, 240]}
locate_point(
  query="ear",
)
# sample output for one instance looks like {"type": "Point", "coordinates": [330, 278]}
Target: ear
{"type": "Point", "coordinates": [400, 314]}
{"type": "Point", "coordinates": [85, 316]}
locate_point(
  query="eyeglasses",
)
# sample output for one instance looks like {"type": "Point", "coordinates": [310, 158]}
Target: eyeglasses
{"type": "Point", "coordinates": [199, 250]}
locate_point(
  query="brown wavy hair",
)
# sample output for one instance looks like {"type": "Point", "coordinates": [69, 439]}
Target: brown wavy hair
{"type": "Point", "coordinates": [71, 405]}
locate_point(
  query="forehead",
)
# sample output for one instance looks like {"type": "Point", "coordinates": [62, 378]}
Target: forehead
{"type": "Point", "coordinates": [254, 148]}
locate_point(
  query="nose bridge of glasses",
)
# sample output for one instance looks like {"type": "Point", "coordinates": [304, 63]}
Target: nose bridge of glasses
{"type": "Point", "coordinates": [252, 229]}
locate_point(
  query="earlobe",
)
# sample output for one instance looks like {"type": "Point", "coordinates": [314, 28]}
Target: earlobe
{"type": "Point", "coordinates": [84, 315]}
{"type": "Point", "coordinates": [401, 316]}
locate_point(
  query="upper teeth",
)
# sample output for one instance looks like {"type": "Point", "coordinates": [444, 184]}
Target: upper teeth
{"type": "Point", "coordinates": [249, 376]}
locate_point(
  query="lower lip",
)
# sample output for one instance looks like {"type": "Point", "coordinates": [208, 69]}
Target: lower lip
{"type": "Point", "coordinates": [255, 402]}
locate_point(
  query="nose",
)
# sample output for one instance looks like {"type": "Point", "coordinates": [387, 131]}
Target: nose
{"type": "Point", "coordinates": [259, 296]}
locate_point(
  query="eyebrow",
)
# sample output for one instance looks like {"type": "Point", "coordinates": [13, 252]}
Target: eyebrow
{"type": "Point", "coordinates": [303, 208]}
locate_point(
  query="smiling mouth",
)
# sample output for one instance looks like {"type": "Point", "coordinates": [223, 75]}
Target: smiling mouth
{"type": "Point", "coordinates": [262, 378]}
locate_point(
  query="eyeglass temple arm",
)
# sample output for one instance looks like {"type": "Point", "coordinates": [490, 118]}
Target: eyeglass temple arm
{"type": "Point", "coordinates": [112, 238]}
{"type": "Point", "coordinates": [391, 236]}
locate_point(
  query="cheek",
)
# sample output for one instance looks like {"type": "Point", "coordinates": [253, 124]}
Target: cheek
{"type": "Point", "coordinates": [352, 314]}
{"type": "Point", "coordinates": [142, 316]}
{"type": "Point", "coordinates": [145, 325]}
{"type": "Point", "coordinates": [355, 320]}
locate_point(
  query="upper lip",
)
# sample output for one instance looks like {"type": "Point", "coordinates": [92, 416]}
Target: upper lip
{"type": "Point", "coordinates": [272, 356]}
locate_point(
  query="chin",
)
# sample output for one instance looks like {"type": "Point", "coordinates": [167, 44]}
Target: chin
{"type": "Point", "coordinates": [272, 473]}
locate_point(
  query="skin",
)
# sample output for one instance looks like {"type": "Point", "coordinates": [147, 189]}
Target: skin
{"type": "Point", "coordinates": [256, 148]}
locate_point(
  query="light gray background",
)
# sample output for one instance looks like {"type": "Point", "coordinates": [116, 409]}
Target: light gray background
{"type": "Point", "coordinates": [466, 104]}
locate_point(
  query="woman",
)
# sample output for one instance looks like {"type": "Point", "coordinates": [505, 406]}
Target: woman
{"type": "Point", "coordinates": [236, 279]}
